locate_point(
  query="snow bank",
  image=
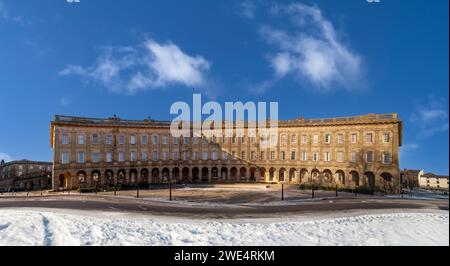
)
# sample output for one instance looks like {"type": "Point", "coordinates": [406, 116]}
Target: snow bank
{"type": "Point", "coordinates": [35, 227]}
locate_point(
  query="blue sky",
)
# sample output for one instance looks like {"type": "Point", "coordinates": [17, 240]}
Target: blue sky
{"type": "Point", "coordinates": [135, 58]}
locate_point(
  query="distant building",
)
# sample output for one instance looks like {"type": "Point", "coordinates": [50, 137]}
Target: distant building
{"type": "Point", "coordinates": [432, 181]}
{"type": "Point", "coordinates": [348, 152]}
{"type": "Point", "coordinates": [410, 178]}
{"type": "Point", "coordinates": [25, 175]}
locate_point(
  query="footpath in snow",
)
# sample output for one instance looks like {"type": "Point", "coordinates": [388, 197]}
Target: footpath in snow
{"type": "Point", "coordinates": [42, 227]}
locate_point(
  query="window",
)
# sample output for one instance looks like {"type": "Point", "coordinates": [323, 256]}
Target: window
{"type": "Point", "coordinates": [205, 140]}
{"type": "Point", "coordinates": [144, 156]}
{"type": "Point", "coordinates": [121, 139]}
{"type": "Point", "coordinates": [244, 139]}
{"type": "Point", "coordinates": [293, 155]}
{"type": "Point", "coordinates": [253, 140]}
{"type": "Point", "coordinates": [95, 139]}
{"type": "Point", "coordinates": [315, 139]}
{"type": "Point", "coordinates": [165, 140]}
{"type": "Point", "coordinates": [353, 156]}
{"type": "Point", "coordinates": [80, 157]}
{"type": "Point", "coordinates": [155, 156]}
{"type": "Point", "coordinates": [121, 156]}
{"type": "Point", "coordinates": [354, 137]}
{"type": "Point", "coordinates": [144, 140]}
{"type": "Point", "coordinates": [369, 137]}
{"type": "Point", "coordinates": [175, 140]}
{"type": "Point", "coordinates": [273, 139]}
{"type": "Point", "coordinates": [263, 155]}
{"type": "Point", "coordinates": [108, 139]}
{"type": "Point", "coordinates": [165, 155]}
{"type": "Point", "coordinates": [80, 139]}
{"type": "Point", "coordinates": [65, 139]}
{"type": "Point", "coordinates": [224, 156]}
{"type": "Point", "coordinates": [205, 156]}
{"type": "Point", "coordinates": [386, 137]}
{"type": "Point", "coordinates": [186, 155]}
{"type": "Point", "coordinates": [328, 138]}
{"type": "Point", "coordinates": [155, 140]}
{"type": "Point", "coordinates": [315, 156]}
{"type": "Point", "coordinates": [283, 155]}
{"type": "Point", "coordinates": [304, 156]}
{"type": "Point", "coordinates": [133, 156]}
{"type": "Point", "coordinates": [175, 155]}
{"type": "Point", "coordinates": [293, 138]}
{"type": "Point", "coordinates": [214, 139]}
{"type": "Point", "coordinates": [340, 156]}
{"type": "Point", "coordinates": [133, 140]}
{"type": "Point", "coordinates": [327, 156]}
{"type": "Point", "coordinates": [109, 157]}
{"type": "Point", "coordinates": [195, 140]}
{"type": "Point", "coordinates": [283, 139]}
{"type": "Point", "coordinates": [233, 139]}
{"type": "Point", "coordinates": [340, 138]}
{"type": "Point", "coordinates": [195, 155]}
{"type": "Point", "coordinates": [233, 155]}
{"type": "Point", "coordinates": [214, 155]}
{"type": "Point", "coordinates": [186, 140]}
{"type": "Point", "coordinates": [369, 156]}
{"type": "Point", "coordinates": [253, 155]}
{"type": "Point", "coordinates": [65, 158]}
{"type": "Point", "coordinates": [386, 158]}
{"type": "Point", "coordinates": [304, 139]}
{"type": "Point", "coordinates": [243, 155]}
{"type": "Point", "coordinates": [272, 155]}
{"type": "Point", "coordinates": [95, 157]}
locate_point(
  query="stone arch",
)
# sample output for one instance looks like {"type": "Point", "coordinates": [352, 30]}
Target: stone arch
{"type": "Point", "coordinates": [96, 177]}
{"type": "Point", "coordinates": [165, 174]}
{"type": "Point", "coordinates": [262, 174]}
{"type": "Point", "coordinates": [215, 173]}
{"type": "Point", "coordinates": [233, 173]}
{"type": "Point", "coordinates": [282, 175]}
{"type": "Point", "coordinates": [243, 173]}
{"type": "Point", "coordinates": [340, 177]}
{"type": "Point", "coordinates": [387, 182]}
{"type": "Point", "coordinates": [82, 178]}
{"type": "Point", "coordinates": [121, 175]}
{"type": "Point", "coordinates": [315, 176]}
{"type": "Point", "coordinates": [185, 174]}
{"type": "Point", "coordinates": [272, 171]}
{"type": "Point", "coordinates": [370, 180]}
{"type": "Point", "coordinates": [205, 174]}
{"type": "Point", "coordinates": [155, 175]}
{"type": "Point", "coordinates": [224, 173]}
{"type": "Point", "coordinates": [64, 180]}
{"type": "Point", "coordinates": [195, 174]}
{"type": "Point", "coordinates": [355, 178]}
{"type": "Point", "coordinates": [133, 176]}
{"type": "Point", "coordinates": [292, 175]}
{"type": "Point", "coordinates": [144, 176]}
{"type": "Point", "coordinates": [327, 176]}
{"type": "Point", "coordinates": [109, 177]}
{"type": "Point", "coordinates": [304, 175]}
{"type": "Point", "coordinates": [176, 173]}
{"type": "Point", "coordinates": [252, 176]}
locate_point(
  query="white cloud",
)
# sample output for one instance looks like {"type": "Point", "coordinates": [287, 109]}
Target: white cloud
{"type": "Point", "coordinates": [4, 156]}
{"type": "Point", "coordinates": [3, 11]}
{"type": "Point", "coordinates": [430, 116]}
{"type": "Point", "coordinates": [248, 9]}
{"type": "Point", "coordinates": [312, 51]}
{"type": "Point", "coordinates": [149, 66]}
{"type": "Point", "coordinates": [64, 101]}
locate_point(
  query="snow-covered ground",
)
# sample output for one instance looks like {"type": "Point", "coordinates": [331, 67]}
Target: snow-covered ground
{"type": "Point", "coordinates": [60, 227]}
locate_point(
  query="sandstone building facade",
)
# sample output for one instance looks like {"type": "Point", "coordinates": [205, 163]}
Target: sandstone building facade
{"type": "Point", "coordinates": [359, 151]}
{"type": "Point", "coordinates": [25, 175]}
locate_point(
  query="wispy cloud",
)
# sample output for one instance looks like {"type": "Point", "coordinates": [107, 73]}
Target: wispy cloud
{"type": "Point", "coordinates": [430, 116]}
{"type": "Point", "coordinates": [6, 16]}
{"type": "Point", "coordinates": [3, 11]}
{"type": "Point", "coordinates": [64, 101]}
{"type": "Point", "coordinates": [407, 148]}
{"type": "Point", "coordinates": [312, 52]}
{"type": "Point", "coordinates": [151, 65]}
{"type": "Point", "coordinates": [247, 9]}
{"type": "Point", "coordinates": [6, 157]}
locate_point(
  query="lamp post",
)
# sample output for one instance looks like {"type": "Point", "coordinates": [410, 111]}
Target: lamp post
{"type": "Point", "coordinates": [282, 191]}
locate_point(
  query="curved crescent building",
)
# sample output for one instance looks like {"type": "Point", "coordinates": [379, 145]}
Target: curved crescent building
{"type": "Point", "coordinates": [359, 151]}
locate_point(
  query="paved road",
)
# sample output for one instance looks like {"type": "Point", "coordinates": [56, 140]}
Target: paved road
{"type": "Point", "coordinates": [104, 203]}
